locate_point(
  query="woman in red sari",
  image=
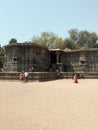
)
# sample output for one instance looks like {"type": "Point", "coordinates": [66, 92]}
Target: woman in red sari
{"type": "Point", "coordinates": [75, 78]}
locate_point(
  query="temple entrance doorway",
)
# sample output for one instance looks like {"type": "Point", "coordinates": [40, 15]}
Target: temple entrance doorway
{"type": "Point", "coordinates": [53, 58]}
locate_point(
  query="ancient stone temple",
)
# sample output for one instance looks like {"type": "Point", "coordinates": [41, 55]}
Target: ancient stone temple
{"type": "Point", "coordinates": [23, 56]}
{"type": "Point", "coordinates": [82, 60]}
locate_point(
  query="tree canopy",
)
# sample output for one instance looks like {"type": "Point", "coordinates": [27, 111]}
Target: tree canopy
{"type": "Point", "coordinates": [77, 39]}
{"type": "Point", "coordinates": [13, 41]}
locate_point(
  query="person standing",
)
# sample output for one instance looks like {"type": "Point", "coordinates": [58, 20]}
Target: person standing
{"type": "Point", "coordinates": [26, 76]}
{"type": "Point", "coordinates": [32, 69]}
{"type": "Point", "coordinates": [75, 78]}
{"type": "Point", "coordinates": [21, 76]}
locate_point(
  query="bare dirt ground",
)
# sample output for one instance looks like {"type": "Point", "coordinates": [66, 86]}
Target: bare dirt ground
{"type": "Point", "coordinates": [52, 105]}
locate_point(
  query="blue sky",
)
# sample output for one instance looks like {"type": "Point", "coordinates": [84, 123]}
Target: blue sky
{"type": "Point", "coordinates": [23, 19]}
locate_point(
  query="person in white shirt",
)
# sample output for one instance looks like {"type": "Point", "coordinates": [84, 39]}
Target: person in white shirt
{"type": "Point", "coordinates": [26, 76]}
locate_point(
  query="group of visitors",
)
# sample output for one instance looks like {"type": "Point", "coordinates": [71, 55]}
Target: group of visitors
{"type": "Point", "coordinates": [23, 77]}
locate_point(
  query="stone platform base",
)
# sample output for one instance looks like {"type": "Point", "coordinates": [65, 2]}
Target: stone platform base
{"type": "Point", "coordinates": [46, 76]}
{"type": "Point", "coordinates": [33, 76]}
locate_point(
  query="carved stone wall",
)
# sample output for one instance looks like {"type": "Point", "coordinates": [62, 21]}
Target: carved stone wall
{"type": "Point", "coordinates": [22, 57]}
{"type": "Point", "coordinates": [81, 60]}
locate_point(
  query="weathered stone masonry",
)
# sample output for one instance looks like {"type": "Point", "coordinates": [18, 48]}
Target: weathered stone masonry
{"type": "Point", "coordinates": [22, 56]}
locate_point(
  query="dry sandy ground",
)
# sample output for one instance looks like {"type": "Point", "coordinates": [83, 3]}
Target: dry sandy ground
{"type": "Point", "coordinates": [52, 105]}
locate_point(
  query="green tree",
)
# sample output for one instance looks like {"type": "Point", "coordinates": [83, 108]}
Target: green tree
{"type": "Point", "coordinates": [93, 39]}
{"type": "Point", "coordinates": [13, 41]}
{"type": "Point", "coordinates": [87, 39]}
{"type": "Point", "coordinates": [69, 43]}
{"type": "Point", "coordinates": [74, 34]}
{"type": "Point", "coordinates": [46, 39]}
{"type": "Point", "coordinates": [59, 43]}
{"type": "Point", "coordinates": [83, 38]}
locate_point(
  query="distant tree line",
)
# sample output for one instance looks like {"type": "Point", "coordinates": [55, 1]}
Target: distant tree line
{"type": "Point", "coordinates": [76, 40]}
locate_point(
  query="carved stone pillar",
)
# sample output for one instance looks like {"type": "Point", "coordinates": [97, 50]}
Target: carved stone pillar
{"type": "Point", "coordinates": [58, 57]}
{"type": "Point", "coordinates": [58, 53]}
